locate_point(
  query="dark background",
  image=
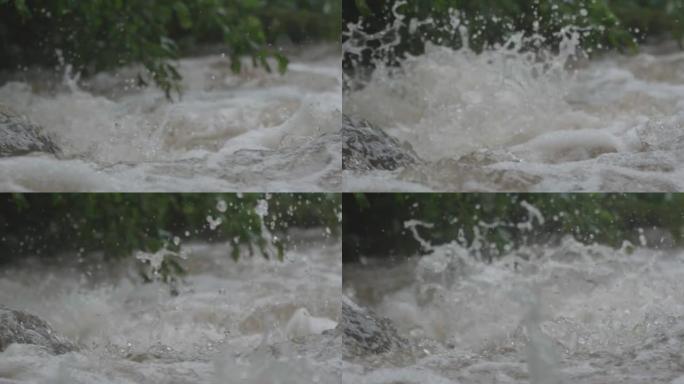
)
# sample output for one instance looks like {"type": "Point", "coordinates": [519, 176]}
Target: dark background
{"type": "Point", "coordinates": [373, 224]}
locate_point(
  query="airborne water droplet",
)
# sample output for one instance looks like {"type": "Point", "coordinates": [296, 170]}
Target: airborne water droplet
{"type": "Point", "coordinates": [261, 208]}
{"type": "Point", "coordinates": [214, 223]}
{"type": "Point", "coordinates": [221, 206]}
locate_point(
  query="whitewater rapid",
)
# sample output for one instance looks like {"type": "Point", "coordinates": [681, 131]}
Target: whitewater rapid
{"type": "Point", "coordinates": [253, 131]}
{"type": "Point", "coordinates": [567, 313]}
{"type": "Point", "coordinates": [249, 322]}
{"type": "Point", "coordinates": [507, 120]}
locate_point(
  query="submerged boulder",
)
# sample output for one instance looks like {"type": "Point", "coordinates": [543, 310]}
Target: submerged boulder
{"type": "Point", "coordinates": [365, 333]}
{"type": "Point", "coordinates": [19, 136]}
{"type": "Point", "coordinates": [18, 327]}
{"type": "Point", "coordinates": [367, 147]}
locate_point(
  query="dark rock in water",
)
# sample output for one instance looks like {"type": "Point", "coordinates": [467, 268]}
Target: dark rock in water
{"type": "Point", "coordinates": [367, 147]}
{"type": "Point", "coordinates": [19, 136]}
{"type": "Point", "coordinates": [319, 156]}
{"type": "Point", "coordinates": [23, 328]}
{"type": "Point", "coordinates": [366, 333]}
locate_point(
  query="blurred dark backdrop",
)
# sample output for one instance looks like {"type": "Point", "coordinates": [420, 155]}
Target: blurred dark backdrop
{"type": "Point", "coordinates": [116, 224]}
{"type": "Point", "coordinates": [373, 224]}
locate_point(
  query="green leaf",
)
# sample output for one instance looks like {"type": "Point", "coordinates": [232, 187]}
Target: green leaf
{"type": "Point", "coordinates": [22, 8]}
{"type": "Point", "coordinates": [183, 14]}
{"type": "Point", "coordinates": [283, 62]}
{"type": "Point", "coordinates": [235, 64]}
{"type": "Point", "coordinates": [363, 7]}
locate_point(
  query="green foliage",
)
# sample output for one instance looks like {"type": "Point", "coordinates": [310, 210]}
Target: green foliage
{"type": "Point", "coordinates": [603, 24]}
{"type": "Point", "coordinates": [96, 35]}
{"type": "Point", "coordinates": [119, 224]}
{"type": "Point", "coordinates": [651, 17]}
{"type": "Point", "coordinates": [302, 20]}
{"type": "Point", "coordinates": [373, 223]}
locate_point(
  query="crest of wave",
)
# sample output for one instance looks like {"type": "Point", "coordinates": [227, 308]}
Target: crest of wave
{"type": "Point", "coordinates": [449, 102]}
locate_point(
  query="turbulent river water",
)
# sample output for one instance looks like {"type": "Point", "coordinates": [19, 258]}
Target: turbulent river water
{"type": "Point", "coordinates": [510, 121]}
{"type": "Point", "coordinates": [253, 131]}
{"type": "Point", "coordinates": [567, 313]}
{"type": "Point", "coordinates": [250, 322]}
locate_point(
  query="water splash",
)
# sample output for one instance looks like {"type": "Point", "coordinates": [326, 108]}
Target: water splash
{"type": "Point", "coordinates": [155, 261]}
{"type": "Point", "coordinates": [130, 332]}
{"type": "Point", "coordinates": [302, 324]}
{"type": "Point", "coordinates": [542, 358]}
{"type": "Point", "coordinates": [544, 314]}
{"type": "Point", "coordinates": [513, 119]}
{"type": "Point", "coordinates": [412, 225]}
{"type": "Point", "coordinates": [564, 312]}
{"type": "Point", "coordinates": [252, 131]}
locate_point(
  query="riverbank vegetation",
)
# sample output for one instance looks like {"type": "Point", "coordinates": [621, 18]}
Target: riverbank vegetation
{"type": "Point", "coordinates": [374, 223]}
{"type": "Point", "coordinates": [97, 35]}
{"type": "Point", "coordinates": [601, 24]}
{"type": "Point", "coordinates": [117, 225]}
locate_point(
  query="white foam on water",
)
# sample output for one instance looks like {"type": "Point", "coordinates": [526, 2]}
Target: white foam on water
{"type": "Point", "coordinates": [251, 131]}
{"type": "Point", "coordinates": [506, 120]}
{"type": "Point", "coordinates": [228, 314]}
{"type": "Point", "coordinates": [302, 324]}
{"type": "Point", "coordinates": [567, 313]}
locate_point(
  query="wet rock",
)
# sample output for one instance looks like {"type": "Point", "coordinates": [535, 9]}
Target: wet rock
{"type": "Point", "coordinates": [365, 333]}
{"type": "Point", "coordinates": [320, 156]}
{"type": "Point", "coordinates": [19, 136]}
{"type": "Point", "coordinates": [23, 328]}
{"type": "Point", "coordinates": [367, 147]}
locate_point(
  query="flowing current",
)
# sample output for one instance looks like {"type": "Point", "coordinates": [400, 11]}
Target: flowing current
{"type": "Point", "coordinates": [253, 131]}
{"type": "Point", "coordinates": [506, 120]}
{"type": "Point", "coordinates": [567, 313]}
{"type": "Point", "coordinates": [249, 322]}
